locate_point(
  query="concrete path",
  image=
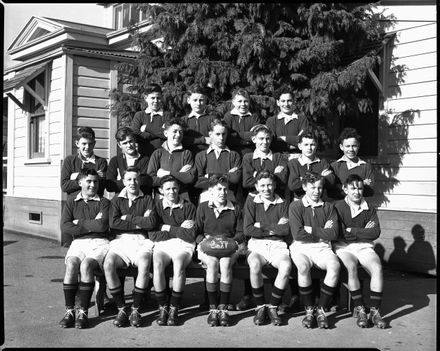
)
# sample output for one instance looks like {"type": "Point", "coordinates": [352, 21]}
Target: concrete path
{"type": "Point", "coordinates": [33, 271]}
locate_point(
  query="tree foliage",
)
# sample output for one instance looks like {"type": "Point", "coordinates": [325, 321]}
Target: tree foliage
{"type": "Point", "coordinates": [322, 51]}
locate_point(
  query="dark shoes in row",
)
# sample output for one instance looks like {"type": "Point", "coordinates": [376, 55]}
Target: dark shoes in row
{"type": "Point", "coordinates": [218, 316]}
{"type": "Point", "coordinates": [264, 312]}
{"type": "Point", "coordinates": [168, 315]}
{"type": "Point", "coordinates": [69, 320]}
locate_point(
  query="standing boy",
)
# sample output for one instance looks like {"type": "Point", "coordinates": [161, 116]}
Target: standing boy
{"type": "Point", "coordinates": [314, 224]}
{"type": "Point", "coordinates": [85, 218]}
{"type": "Point", "coordinates": [132, 215]}
{"type": "Point", "coordinates": [286, 126]}
{"type": "Point", "coordinates": [359, 228]}
{"type": "Point", "coordinates": [308, 162]}
{"type": "Point", "coordinates": [129, 157]}
{"type": "Point", "coordinates": [84, 158]}
{"type": "Point", "coordinates": [266, 223]}
{"type": "Point", "coordinates": [350, 163]}
{"type": "Point", "coordinates": [174, 242]}
{"type": "Point", "coordinates": [148, 124]}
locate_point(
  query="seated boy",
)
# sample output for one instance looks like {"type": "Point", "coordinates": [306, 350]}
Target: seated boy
{"type": "Point", "coordinates": [129, 157]}
{"type": "Point", "coordinates": [84, 158]}
{"type": "Point", "coordinates": [314, 224]}
{"type": "Point", "coordinates": [266, 223]}
{"type": "Point", "coordinates": [218, 159]}
{"type": "Point", "coordinates": [132, 215]}
{"type": "Point", "coordinates": [148, 124]}
{"type": "Point", "coordinates": [286, 126]}
{"type": "Point", "coordinates": [172, 159]}
{"type": "Point", "coordinates": [196, 136]}
{"type": "Point", "coordinates": [350, 163]}
{"type": "Point", "coordinates": [359, 227]}
{"type": "Point", "coordinates": [218, 217]}
{"type": "Point", "coordinates": [85, 218]}
{"type": "Point", "coordinates": [308, 162]}
{"type": "Point", "coordinates": [173, 242]}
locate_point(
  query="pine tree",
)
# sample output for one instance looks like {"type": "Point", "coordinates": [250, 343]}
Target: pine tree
{"type": "Point", "coordinates": [319, 50]}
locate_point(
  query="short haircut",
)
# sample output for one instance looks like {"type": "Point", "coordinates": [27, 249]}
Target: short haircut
{"type": "Point", "coordinates": [264, 173]}
{"type": "Point", "coordinates": [84, 132]}
{"type": "Point", "coordinates": [131, 169]}
{"type": "Point", "coordinates": [353, 178]}
{"type": "Point", "coordinates": [348, 133]}
{"type": "Point", "coordinates": [218, 179]}
{"type": "Point", "coordinates": [261, 128]}
{"type": "Point", "coordinates": [312, 177]}
{"type": "Point", "coordinates": [309, 134]}
{"type": "Point", "coordinates": [152, 88]}
{"type": "Point", "coordinates": [168, 178]}
{"type": "Point", "coordinates": [123, 132]}
{"type": "Point", "coordinates": [217, 122]}
{"type": "Point", "coordinates": [174, 120]}
{"type": "Point", "coordinates": [197, 89]}
{"type": "Point", "coordinates": [241, 91]}
{"type": "Point", "coordinates": [284, 89]}
{"type": "Point", "coordinates": [85, 172]}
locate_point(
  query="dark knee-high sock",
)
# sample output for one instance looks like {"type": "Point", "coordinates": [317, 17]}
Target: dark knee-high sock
{"type": "Point", "coordinates": [277, 295]}
{"type": "Point", "coordinates": [306, 295]}
{"type": "Point", "coordinates": [211, 288]}
{"type": "Point", "coordinates": [118, 296]}
{"type": "Point", "coordinates": [258, 295]}
{"type": "Point", "coordinates": [247, 287]}
{"type": "Point", "coordinates": [294, 290]}
{"type": "Point", "coordinates": [161, 297]}
{"type": "Point", "coordinates": [225, 293]}
{"type": "Point", "coordinates": [375, 299]}
{"type": "Point", "coordinates": [138, 295]}
{"type": "Point", "coordinates": [85, 294]}
{"type": "Point", "coordinates": [69, 294]}
{"type": "Point", "coordinates": [326, 295]}
{"type": "Point", "coordinates": [356, 296]}
{"type": "Point", "coordinates": [176, 298]}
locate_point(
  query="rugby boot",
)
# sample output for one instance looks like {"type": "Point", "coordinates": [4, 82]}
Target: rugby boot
{"type": "Point", "coordinates": [69, 318]}
{"type": "Point", "coordinates": [260, 316]}
{"type": "Point", "coordinates": [223, 316]}
{"type": "Point", "coordinates": [321, 318]}
{"type": "Point", "coordinates": [135, 318]}
{"type": "Point", "coordinates": [309, 318]}
{"type": "Point", "coordinates": [361, 315]}
{"type": "Point", "coordinates": [275, 319]}
{"type": "Point", "coordinates": [213, 317]}
{"type": "Point", "coordinates": [82, 319]}
{"type": "Point", "coordinates": [173, 318]}
{"type": "Point", "coordinates": [163, 315]}
{"type": "Point", "coordinates": [245, 303]}
{"type": "Point", "coordinates": [376, 318]}
{"type": "Point", "coordinates": [122, 318]}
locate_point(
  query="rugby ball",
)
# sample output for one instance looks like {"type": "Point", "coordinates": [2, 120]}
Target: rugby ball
{"type": "Point", "coordinates": [219, 246]}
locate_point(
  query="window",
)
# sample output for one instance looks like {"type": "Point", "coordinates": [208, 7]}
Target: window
{"type": "Point", "coordinates": [125, 14]}
{"type": "Point", "coordinates": [35, 104]}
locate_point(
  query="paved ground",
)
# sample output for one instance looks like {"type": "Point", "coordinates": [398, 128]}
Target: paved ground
{"type": "Point", "coordinates": [33, 305]}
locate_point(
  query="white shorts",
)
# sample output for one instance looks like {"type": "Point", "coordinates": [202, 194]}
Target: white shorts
{"type": "Point", "coordinates": [95, 248]}
{"type": "Point", "coordinates": [174, 247]}
{"type": "Point", "coordinates": [130, 247]}
{"type": "Point", "coordinates": [271, 250]}
{"type": "Point", "coordinates": [359, 250]}
{"type": "Point", "coordinates": [318, 254]}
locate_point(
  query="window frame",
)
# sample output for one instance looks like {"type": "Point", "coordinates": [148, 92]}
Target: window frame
{"type": "Point", "coordinates": [118, 15]}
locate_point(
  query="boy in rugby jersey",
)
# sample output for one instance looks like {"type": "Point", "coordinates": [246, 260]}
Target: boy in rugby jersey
{"type": "Point", "coordinates": [85, 218]}
{"type": "Point", "coordinates": [359, 228]}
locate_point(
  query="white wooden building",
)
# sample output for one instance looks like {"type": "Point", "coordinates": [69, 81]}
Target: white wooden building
{"type": "Point", "coordinates": [67, 71]}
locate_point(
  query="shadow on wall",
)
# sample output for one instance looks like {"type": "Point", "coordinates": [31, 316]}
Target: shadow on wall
{"type": "Point", "coordinates": [419, 257]}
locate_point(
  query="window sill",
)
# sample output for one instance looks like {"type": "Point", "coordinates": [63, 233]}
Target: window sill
{"type": "Point", "coordinates": [37, 161]}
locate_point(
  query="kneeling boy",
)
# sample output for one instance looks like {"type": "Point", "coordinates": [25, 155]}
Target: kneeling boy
{"type": "Point", "coordinates": [85, 217]}
{"type": "Point", "coordinates": [314, 223]}
{"type": "Point", "coordinates": [266, 222]}
{"type": "Point", "coordinates": [360, 226]}
{"type": "Point", "coordinates": [173, 242]}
